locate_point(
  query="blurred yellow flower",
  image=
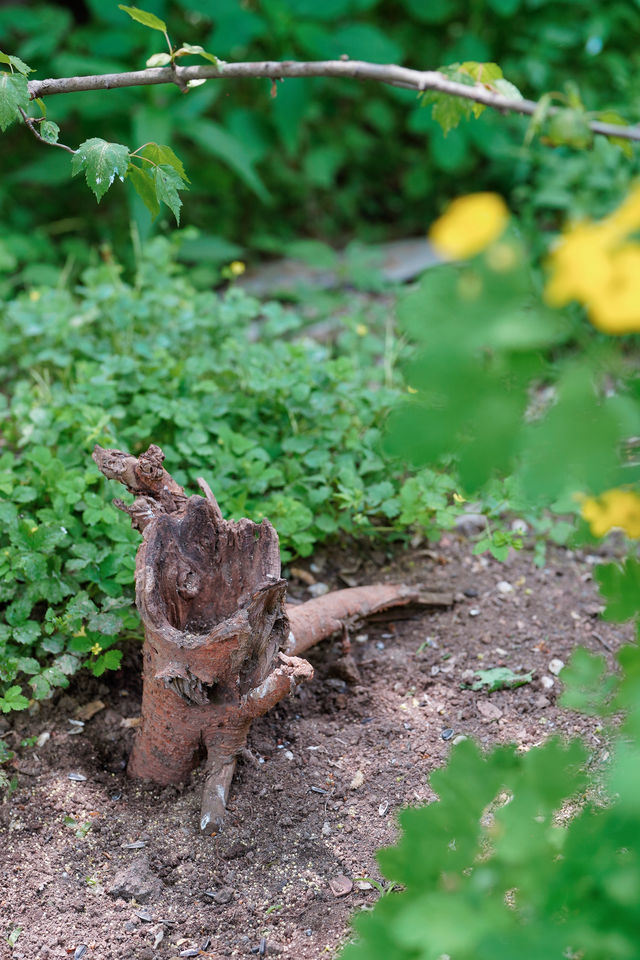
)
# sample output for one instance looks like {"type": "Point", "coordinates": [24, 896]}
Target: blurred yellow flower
{"type": "Point", "coordinates": [595, 264]}
{"type": "Point", "coordinates": [362, 330]}
{"type": "Point", "coordinates": [614, 508]}
{"type": "Point", "coordinates": [237, 268]}
{"type": "Point", "coordinates": [96, 649]}
{"type": "Point", "coordinates": [470, 224]}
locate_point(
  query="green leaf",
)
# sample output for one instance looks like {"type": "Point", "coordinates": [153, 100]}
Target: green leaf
{"type": "Point", "coordinates": [144, 185]}
{"type": "Point", "coordinates": [500, 678]}
{"type": "Point", "coordinates": [588, 684]}
{"type": "Point", "coordinates": [109, 660]}
{"type": "Point", "coordinates": [14, 96]}
{"type": "Point", "coordinates": [13, 700]}
{"type": "Point", "coordinates": [159, 60]}
{"type": "Point", "coordinates": [190, 48]}
{"type": "Point", "coordinates": [222, 144]}
{"type": "Point", "coordinates": [147, 19]}
{"type": "Point", "coordinates": [164, 155]}
{"type": "Point", "coordinates": [610, 116]}
{"type": "Point", "coordinates": [620, 587]}
{"type": "Point", "coordinates": [49, 131]}
{"type": "Point", "coordinates": [168, 182]}
{"type": "Point", "coordinates": [102, 162]}
{"type": "Point", "coordinates": [571, 127]}
{"type": "Point", "coordinates": [16, 62]}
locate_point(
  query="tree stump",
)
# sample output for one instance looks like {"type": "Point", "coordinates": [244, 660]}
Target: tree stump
{"type": "Point", "coordinates": [220, 644]}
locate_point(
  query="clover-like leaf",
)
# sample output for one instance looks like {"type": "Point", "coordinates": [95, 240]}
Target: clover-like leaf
{"type": "Point", "coordinates": [102, 162]}
{"type": "Point", "coordinates": [14, 96]}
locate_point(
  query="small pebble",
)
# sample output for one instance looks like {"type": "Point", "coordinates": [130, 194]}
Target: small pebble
{"type": "Point", "coordinates": [77, 776]}
{"type": "Point", "coordinates": [382, 809]}
{"type": "Point", "coordinates": [326, 829]}
{"type": "Point", "coordinates": [447, 734]}
{"type": "Point", "coordinates": [470, 593]}
{"type": "Point", "coordinates": [459, 739]}
{"type": "Point", "coordinates": [547, 682]}
{"type": "Point", "coordinates": [474, 612]}
{"type": "Point", "coordinates": [555, 666]}
{"type": "Point", "coordinates": [504, 587]}
{"type": "Point", "coordinates": [318, 589]}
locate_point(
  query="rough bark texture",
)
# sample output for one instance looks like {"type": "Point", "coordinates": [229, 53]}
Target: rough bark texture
{"type": "Point", "coordinates": [219, 646]}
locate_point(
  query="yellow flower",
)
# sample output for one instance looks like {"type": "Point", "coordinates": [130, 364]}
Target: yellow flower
{"type": "Point", "coordinates": [411, 390]}
{"type": "Point", "coordinates": [362, 330]}
{"type": "Point", "coordinates": [34, 295]}
{"type": "Point", "coordinates": [237, 268]}
{"type": "Point", "coordinates": [595, 264]}
{"type": "Point", "coordinates": [614, 508]}
{"type": "Point", "coordinates": [470, 224]}
{"type": "Point", "coordinates": [96, 649]}
{"type": "Point", "coordinates": [458, 499]}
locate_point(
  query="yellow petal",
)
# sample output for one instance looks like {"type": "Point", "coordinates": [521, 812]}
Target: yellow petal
{"type": "Point", "coordinates": [470, 224]}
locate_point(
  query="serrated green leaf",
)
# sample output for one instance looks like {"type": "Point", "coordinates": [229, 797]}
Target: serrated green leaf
{"type": "Point", "coordinates": [109, 660]}
{"type": "Point", "coordinates": [102, 162]}
{"type": "Point", "coordinates": [49, 131]}
{"type": "Point", "coordinates": [161, 154]}
{"type": "Point", "coordinates": [588, 684]}
{"type": "Point", "coordinates": [147, 19]}
{"type": "Point", "coordinates": [159, 60]}
{"type": "Point", "coordinates": [144, 185]}
{"type": "Point", "coordinates": [16, 62]}
{"type": "Point", "coordinates": [14, 96]}
{"type": "Point", "coordinates": [168, 182]}
{"type": "Point", "coordinates": [620, 587]}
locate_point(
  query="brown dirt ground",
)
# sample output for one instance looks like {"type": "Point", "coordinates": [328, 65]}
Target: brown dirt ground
{"type": "Point", "coordinates": [335, 765]}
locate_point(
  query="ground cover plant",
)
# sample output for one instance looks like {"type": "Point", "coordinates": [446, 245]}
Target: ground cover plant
{"type": "Point", "coordinates": [500, 383]}
{"type": "Point", "coordinates": [293, 428]}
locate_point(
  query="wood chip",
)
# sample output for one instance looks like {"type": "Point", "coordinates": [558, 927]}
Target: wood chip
{"type": "Point", "coordinates": [89, 710]}
{"type": "Point", "coordinates": [301, 574]}
{"type": "Point", "coordinates": [357, 781]}
{"type": "Point", "coordinates": [131, 721]}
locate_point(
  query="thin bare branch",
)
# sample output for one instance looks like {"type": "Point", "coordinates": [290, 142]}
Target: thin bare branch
{"type": "Point", "coordinates": [419, 80]}
{"type": "Point", "coordinates": [34, 130]}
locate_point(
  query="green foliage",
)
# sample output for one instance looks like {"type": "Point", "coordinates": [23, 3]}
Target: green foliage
{"type": "Point", "coordinates": [620, 587]}
{"type": "Point", "coordinates": [284, 427]}
{"type": "Point", "coordinates": [14, 96]}
{"type": "Point", "coordinates": [492, 870]}
{"type": "Point", "coordinates": [102, 162]}
{"type": "Point", "coordinates": [487, 344]}
{"type": "Point", "coordinates": [307, 162]}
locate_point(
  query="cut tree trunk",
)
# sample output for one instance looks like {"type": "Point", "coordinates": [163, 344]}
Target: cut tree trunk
{"type": "Point", "coordinates": [221, 645]}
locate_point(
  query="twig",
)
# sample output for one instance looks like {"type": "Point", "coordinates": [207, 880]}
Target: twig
{"type": "Point", "coordinates": [419, 80]}
{"type": "Point", "coordinates": [50, 143]}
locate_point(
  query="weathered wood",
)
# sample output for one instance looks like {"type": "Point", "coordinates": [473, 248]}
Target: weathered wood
{"type": "Point", "coordinates": [221, 645]}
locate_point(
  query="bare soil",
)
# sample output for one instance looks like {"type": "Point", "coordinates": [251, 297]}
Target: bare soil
{"type": "Point", "coordinates": [97, 866]}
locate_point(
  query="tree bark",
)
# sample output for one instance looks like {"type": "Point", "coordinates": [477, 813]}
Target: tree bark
{"type": "Point", "coordinates": [221, 645]}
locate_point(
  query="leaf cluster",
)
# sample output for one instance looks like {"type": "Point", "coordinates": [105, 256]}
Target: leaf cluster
{"type": "Point", "coordinates": [283, 427]}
